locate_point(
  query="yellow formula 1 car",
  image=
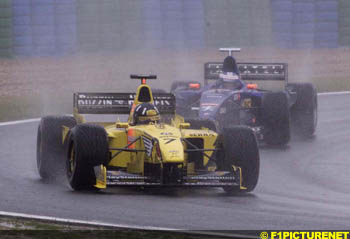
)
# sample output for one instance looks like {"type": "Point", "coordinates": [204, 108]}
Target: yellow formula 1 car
{"type": "Point", "coordinates": [153, 148]}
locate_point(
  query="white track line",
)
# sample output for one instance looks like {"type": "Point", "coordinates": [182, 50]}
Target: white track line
{"type": "Point", "coordinates": [118, 226]}
{"type": "Point", "coordinates": [19, 122]}
{"type": "Point", "coordinates": [335, 93]}
{"type": "Point", "coordinates": [80, 222]}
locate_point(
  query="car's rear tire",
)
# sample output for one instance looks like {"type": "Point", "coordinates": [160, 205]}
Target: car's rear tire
{"type": "Point", "coordinates": [304, 112]}
{"type": "Point", "coordinates": [240, 148]}
{"type": "Point", "coordinates": [87, 147]}
{"type": "Point", "coordinates": [201, 123]}
{"type": "Point", "coordinates": [276, 118]}
{"type": "Point", "coordinates": [50, 149]}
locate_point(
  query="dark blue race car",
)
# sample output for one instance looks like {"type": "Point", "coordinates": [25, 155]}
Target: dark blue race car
{"type": "Point", "coordinates": [230, 96]}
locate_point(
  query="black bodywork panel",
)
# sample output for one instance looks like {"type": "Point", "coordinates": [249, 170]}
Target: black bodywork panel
{"type": "Point", "coordinates": [119, 103]}
{"type": "Point", "coordinates": [249, 71]}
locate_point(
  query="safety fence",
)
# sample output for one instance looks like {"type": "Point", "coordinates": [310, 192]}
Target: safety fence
{"type": "Point", "coordinates": [5, 28]}
{"type": "Point", "coordinates": [305, 23]}
{"type": "Point", "coordinates": [59, 27]}
{"type": "Point", "coordinates": [43, 27]}
{"type": "Point", "coordinates": [344, 22]}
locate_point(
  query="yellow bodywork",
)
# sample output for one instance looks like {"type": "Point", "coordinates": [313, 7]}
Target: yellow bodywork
{"type": "Point", "coordinates": [169, 138]}
{"type": "Point", "coordinates": [169, 142]}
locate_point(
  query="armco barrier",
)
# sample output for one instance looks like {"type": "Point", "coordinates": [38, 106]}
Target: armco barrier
{"type": "Point", "coordinates": [303, 32]}
{"type": "Point", "coordinates": [314, 23]}
{"type": "Point", "coordinates": [22, 27]}
{"type": "Point", "coordinates": [173, 35]}
{"type": "Point", "coordinates": [44, 27]}
{"type": "Point", "coordinates": [5, 32]}
{"type": "Point", "coordinates": [193, 24]}
{"type": "Point", "coordinates": [326, 31]}
{"type": "Point", "coordinates": [6, 28]}
{"type": "Point", "coordinates": [88, 35]}
{"type": "Point", "coordinates": [301, 18]}
{"type": "Point", "coordinates": [344, 22]}
{"type": "Point", "coordinates": [303, 6]}
{"type": "Point", "coordinates": [153, 27]}
{"type": "Point", "coordinates": [65, 27]}
{"type": "Point", "coordinates": [326, 39]}
{"type": "Point", "coordinates": [281, 5]}
{"type": "Point", "coordinates": [327, 6]}
{"type": "Point", "coordinates": [282, 19]}
{"type": "Point", "coordinates": [6, 3]}
{"type": "Point", "coordinates": [52, 27]}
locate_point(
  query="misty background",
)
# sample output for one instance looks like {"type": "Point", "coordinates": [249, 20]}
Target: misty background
{"type": "Point", "coordinates": [52, 48]}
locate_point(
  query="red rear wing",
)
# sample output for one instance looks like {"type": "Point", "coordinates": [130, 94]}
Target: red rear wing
{"type": "Point", "coordinates": [119, 103]}
{"type": "Point", "coordinates": [250, 71]}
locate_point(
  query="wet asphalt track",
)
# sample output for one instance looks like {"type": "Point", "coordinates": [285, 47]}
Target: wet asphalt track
{"type": "Point", "coordinates": [303, 186]}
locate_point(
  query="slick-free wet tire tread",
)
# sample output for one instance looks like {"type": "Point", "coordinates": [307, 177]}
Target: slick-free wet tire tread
{"type": "Point", "coordinates": [88, 147]}
{"type": "Point", "coordinates": [50, 149]}
{"type": "Point", "coordinates": [201, 123]}
{"type": "Point", "coordinates": [240, 148]}
{"type": "Point", "coordinates": [276, 118]}
{"type": "Point", "coordinates": [304, 111]}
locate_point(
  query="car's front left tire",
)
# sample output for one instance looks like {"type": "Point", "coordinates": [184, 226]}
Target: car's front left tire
{"type": "Point", "coordinates": [240, 148]}
{"type": "Point", "coordinates": [276, 118]}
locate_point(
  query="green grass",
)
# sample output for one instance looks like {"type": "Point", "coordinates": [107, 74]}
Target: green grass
{"type": "Point", "coordinates": [27, 229]}
{"type": "Point", "coordinates": [25, 107]}
{"type": "Point", "coordinates": [333, 84]}
{"type": "Point", "coordinates": [17, 107]}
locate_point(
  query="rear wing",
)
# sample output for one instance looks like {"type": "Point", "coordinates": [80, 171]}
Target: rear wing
{"type": "Point", "coordinates": [118, 103]}
{"type": "Point", "coordinates": [250, 71]}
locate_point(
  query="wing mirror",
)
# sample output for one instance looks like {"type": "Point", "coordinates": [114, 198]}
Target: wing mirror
{"type": "Point", "coordinates": [184, 125]}
{"type": "Point", "coordinates": [122, 125]}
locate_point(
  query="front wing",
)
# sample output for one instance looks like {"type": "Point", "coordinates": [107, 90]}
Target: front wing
{"type": "Point", "coordinates": [106, 178]}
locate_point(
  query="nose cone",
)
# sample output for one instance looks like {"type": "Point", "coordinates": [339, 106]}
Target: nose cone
{"type": "Point", "coordinates": [172, 150]}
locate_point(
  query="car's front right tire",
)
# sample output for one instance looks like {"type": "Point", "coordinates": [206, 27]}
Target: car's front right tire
{"type": "Point", "coordinates": [87, 147]}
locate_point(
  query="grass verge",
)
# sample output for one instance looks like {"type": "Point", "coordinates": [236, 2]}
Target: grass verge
{"type": "Point", "coordinates": [11, 228]}
{"type": "Point", "coordinates": [33, 106]}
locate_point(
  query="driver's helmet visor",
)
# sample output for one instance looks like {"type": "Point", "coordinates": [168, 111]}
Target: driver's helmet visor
{"type": "Point", "coordinates": [148, 119]}
{"type": "Point", "coordinates": [151, 115]}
